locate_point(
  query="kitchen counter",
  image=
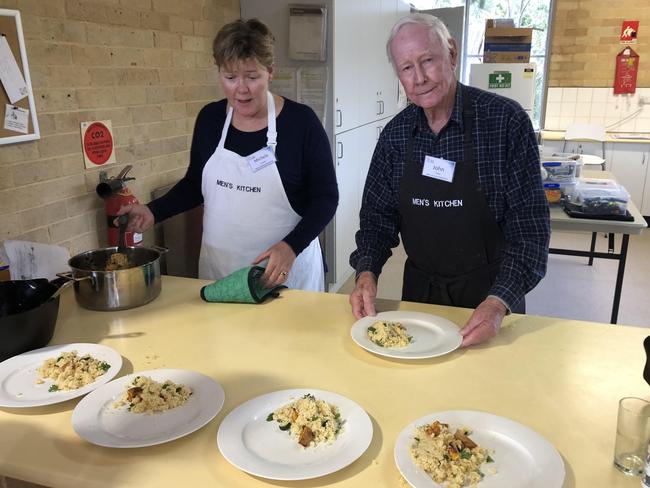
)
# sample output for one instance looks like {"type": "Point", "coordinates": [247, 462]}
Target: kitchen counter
{"type": "Point", "coordinates": [642, 137]}
{"type": "Point", "coordinates": [561, 378]}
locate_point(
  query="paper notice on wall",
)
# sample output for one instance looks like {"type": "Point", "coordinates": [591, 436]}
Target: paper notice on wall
{"type": "Point", "coordinates": [284, 82]}
{"type": "Point", "coordinates": [312, 89]}
{"type": "Point", "coordinates": [307, 33]}
{"type": "Point", "coordinates": [16, 119]}
{"type": "Point", "coordinates": [10, 75]}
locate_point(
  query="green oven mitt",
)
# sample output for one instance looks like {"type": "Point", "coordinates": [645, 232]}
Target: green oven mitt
{"type": "Point", "coordinates": [242, 286]}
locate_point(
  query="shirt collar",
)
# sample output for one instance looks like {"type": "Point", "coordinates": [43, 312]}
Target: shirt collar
{"type": "Point", "coordinates": [421, 123]}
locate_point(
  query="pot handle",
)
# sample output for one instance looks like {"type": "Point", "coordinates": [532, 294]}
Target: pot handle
{"type": "Point", "coordinates": [68, 276]}
{"type": "Point", "coordinates": [62, 287]}
{"type": "Point", "coordinates": [160, 249]}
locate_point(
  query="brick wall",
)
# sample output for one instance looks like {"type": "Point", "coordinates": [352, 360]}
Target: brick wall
{"type": "Point", "coordinates": [146, 65]}
{"type": "Point", "coordinates": [585, 41]}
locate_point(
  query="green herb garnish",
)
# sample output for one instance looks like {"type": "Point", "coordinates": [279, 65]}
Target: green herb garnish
{"type": "Point", "coordinates": [269, 418]}
{"type": "Point", "coordinates": [285, 427]}
{"type": "Point", "coordinates": [53, 388]}
{"type": "Point", "coordinates": [309, 396]}
{"type": "Point", "coordinates": [489, 459]}
{"type": "Point", "coordinates": [104, 366]}
{"type": "Point", "coordinates": [178, 390]}
{"type": "Point", "coordinates": [465, 454]}
{"type": "Point", "coordinates": [372, 329]}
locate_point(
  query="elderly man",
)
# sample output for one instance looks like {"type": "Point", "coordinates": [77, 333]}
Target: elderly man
{"type": "Point", "coordinates": [457, 175]}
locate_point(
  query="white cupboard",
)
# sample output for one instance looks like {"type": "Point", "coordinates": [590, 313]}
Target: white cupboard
{"type": "Point", "coordinates": [365, 98]}
{"type": "Point", "coordinates": [354, 149]}
{"type": "Point", "coordinates": [346, 221]}
{"type": "Point", "coordinates": [629, 163]}
{"type": "Point", "coordinates": [347, 66]}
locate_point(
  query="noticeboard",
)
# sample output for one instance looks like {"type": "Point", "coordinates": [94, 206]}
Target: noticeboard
{"type": "Point", "coordinates": [21, 112]}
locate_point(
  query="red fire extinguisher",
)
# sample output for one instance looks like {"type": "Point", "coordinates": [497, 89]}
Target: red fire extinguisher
{"type": "Point", "coordinates": [116, 194]}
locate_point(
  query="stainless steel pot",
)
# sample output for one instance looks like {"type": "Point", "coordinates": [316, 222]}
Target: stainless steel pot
{"type": "Point", "coordinates": [98, 289]}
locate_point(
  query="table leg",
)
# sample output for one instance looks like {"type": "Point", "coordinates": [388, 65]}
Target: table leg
{"type": "Point", "coordinates": [592, 248]}
{"type": "Point", "coordinates": [619, 277]}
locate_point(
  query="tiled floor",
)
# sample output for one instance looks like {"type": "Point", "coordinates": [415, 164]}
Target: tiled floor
{"type": "Point", "coordinates": [571, 288]}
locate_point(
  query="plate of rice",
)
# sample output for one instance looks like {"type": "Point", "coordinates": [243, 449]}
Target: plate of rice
{"type": "Point", "coordinates": [55, 374]}
{"type": "Point", "coordinates": [461, 448]}
{"type": "Point", "coordinates": [295, 434]}
{"type": "Point", "coordinates": [406, 335]}
{"type": "Point", "coordinates": [148, 408]}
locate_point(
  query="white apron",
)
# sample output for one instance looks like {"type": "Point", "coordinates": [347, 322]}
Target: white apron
{"type": "Point", "coordinates": [246, 212]}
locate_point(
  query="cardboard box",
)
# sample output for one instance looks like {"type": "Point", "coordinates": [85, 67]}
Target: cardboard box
{"type": "Point", "coordinates": [505, 43]}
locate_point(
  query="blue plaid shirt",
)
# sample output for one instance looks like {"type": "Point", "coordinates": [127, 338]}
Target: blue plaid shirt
{"type": "Point", "coordinates": [507, 157]}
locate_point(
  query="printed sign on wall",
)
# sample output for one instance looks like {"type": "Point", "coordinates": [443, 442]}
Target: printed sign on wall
{"type": "Point", "coordinates": [97, 142]}
{"type": "Point", "coordinates": [500, 79]}
{"type": "Point", "coordinates": [629, 31]}
{"type": "Point", "coordinates": [627, 67]}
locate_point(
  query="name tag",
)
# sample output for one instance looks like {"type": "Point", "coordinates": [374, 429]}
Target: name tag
{"type": "Point", "coordinates": [440, 169]}
{"type": "Point", "coordinates": [260, 159]}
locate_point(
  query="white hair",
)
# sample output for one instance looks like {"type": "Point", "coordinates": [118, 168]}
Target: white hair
{"type": "Point", "coordinates": [435, 25]}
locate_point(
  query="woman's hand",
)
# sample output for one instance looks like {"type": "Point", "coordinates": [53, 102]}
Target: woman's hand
{"type": "Point", "coordinates": [140, 217]}
{"type": "Point", "coordinates": [281, 258]}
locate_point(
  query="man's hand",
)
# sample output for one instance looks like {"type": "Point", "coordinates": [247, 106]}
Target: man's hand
{"type": "Point", "coordinates": [363, 296]}
{"type": "Point", "coordinates": [484, 323]}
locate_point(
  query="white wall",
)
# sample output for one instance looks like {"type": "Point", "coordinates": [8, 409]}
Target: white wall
{"type": "Point", "coordinates": [275, 14]}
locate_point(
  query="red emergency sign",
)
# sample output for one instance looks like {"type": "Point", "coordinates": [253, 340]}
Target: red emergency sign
{"type": "Point", "coordinates": [629, 31]}
{"type": "Point", "coordinates": [627, 67]}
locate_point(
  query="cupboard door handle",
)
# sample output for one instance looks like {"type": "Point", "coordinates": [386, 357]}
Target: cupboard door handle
{"type": "Point", "coordinates": [378, 108]}
{"type": "Point", "coordinates": [382, 107]}
{"type": "Point", "coordinates": [339, 150]}
{"type": "Point", "coordinates": [339, 114]}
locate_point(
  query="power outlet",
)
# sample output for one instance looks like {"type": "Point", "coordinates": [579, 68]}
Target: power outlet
{"type": "Point", "coordinates": [644, 101]}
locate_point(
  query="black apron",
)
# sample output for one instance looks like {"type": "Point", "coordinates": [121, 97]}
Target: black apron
{"type": "Point", "coordinates": [450, 235]}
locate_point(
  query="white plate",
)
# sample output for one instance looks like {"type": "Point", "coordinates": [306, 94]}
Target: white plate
{"type": "Point", "coordinates": [432, 335]}
{"type": "Point", "coordinates": [260, 448]}
{"type": "Point", "coordinates": [18, 375]}
{"type": "Point", "coordinates": [96, 420]}
{"type": "Point", "coordinates": [522, 457]}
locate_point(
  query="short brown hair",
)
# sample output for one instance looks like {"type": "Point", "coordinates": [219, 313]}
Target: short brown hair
{"type": "Point", "coordinates": [241, 40]}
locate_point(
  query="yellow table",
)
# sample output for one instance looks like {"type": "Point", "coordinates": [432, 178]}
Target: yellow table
{"type": "Point", "coordinates": [561, 378]}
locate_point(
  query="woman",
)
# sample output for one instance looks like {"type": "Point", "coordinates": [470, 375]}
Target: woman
{"type": "Point", "coordinates": [262, 167]}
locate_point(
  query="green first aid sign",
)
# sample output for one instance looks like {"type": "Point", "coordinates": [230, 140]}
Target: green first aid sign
{"type": "Point", "coordinates": [500, 79]}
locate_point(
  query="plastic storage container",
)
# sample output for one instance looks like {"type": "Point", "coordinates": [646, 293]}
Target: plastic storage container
{"type": "Point", "coordinates": [555, 192]}
{"type": "Point", "coordinates": [598, 196]}
{"type": "Point", "coordinates": [561, 168]}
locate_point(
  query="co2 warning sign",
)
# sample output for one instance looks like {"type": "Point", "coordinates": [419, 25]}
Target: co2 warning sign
{"type": "Point", "coordinates": [97, 142]}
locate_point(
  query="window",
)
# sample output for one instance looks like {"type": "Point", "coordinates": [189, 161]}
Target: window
{"type": "Point", "coordinates": [526, 13]}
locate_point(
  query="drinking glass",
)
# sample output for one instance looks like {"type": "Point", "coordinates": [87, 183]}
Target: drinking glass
{"type": "Point", "coordinates": [632, 435]}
